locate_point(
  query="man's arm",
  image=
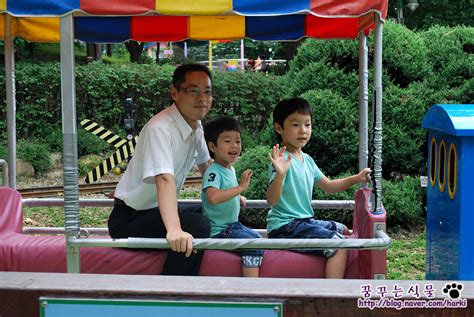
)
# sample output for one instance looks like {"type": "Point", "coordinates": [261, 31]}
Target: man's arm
{"type": "Point", "coordinates": [342, 184]}
{"type": "Point", "coordinates": [203, 167]}
{"type": "Point", "coordinates": [178, 239]}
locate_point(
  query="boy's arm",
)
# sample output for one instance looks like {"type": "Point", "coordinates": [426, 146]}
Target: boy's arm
{"type": "Point", "coordinates": [342, 184]}
{"type": "Point", "coordinates": [217, 196]}
{"type": "Point", "coordinates": [281, 166]}
{"type": "Point", "coordinates": [275, 189]}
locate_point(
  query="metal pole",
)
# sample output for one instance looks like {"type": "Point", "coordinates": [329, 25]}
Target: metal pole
{"type": "Point", "coordinates": [210, 55]}
{"type": "Point", "coordinates": [71, 180]}
{"type": "Point", "coordinates": [400, 18]}
{"type": "Point", "coordinates": [242, 54]}
{"type": "Point", "coordinates": [11, 100]}
{"type": "Point", "coordinates": [377, 110]}
{"type": "Point", "coordinates": [185, 49]}
{"type": "Point", "coordinates": [363, 103]}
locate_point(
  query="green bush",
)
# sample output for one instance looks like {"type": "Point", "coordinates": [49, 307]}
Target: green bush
{"type": "Point", "coordinates": [402, 199]}
{"type": "Point", "coordinates": [405, 55]}
{"type": "Point", "coordinates": [404, 140]}
{"type": "Point", "coordinates": [87, 163]}
{"type": "Point", "coordinates": [452, 64]}
{"type": "Point", "coordinates": [339, 53]}
{"type": "Point", "coordinates": [334, 141]}
{"type": "Point", "coordinates": [35, 153]}
{"type": "Point", "coordinates": [88, 143]}
{"type": "Point", "coordinates": [257, 160]}
{"type": "Point", "coordinates": [320, 75]}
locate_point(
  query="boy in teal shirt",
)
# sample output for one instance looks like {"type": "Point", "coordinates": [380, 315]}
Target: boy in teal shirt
{"type": "Point", "coordinates": [292, 175]}
{"type": "Point", "coordinates": [220, 194]}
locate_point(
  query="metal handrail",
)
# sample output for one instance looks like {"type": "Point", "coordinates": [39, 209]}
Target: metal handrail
{"type": "Point", "coordinates": [381, 241]}
{"type": "Point", "coordinates": [258, 204]}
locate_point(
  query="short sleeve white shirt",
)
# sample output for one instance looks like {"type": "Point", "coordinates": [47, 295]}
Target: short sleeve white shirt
{"type": "Point", "coordinates": [166, 144]}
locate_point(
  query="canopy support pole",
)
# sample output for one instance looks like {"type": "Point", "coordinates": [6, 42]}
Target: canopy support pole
{"type": "Point", "coordinates": [242, 54]}
{"type": "Point", "coordinates": [11, 100]}
{"type": "Point", "coordinates": [377, 116]}
{"type": "Point", "coordinates": [363, 104]}
{"type": "Point", "coordinates": [71, 179]}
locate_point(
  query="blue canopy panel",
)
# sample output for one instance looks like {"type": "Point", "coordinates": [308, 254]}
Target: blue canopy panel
{"type": "Point", "coordinates": [291, 27]}
{"type": "Point", "coordinates": [451, 119]}
{"type": "Point", "coordinates": [271, 7]}
{"type": "Point", "coordinates": [102, 30]}
{"type": "Point", "coordinates": [42, 7]}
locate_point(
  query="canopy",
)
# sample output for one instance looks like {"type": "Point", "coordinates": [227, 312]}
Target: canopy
{"type": "Point", "coordinates": [112, 21]}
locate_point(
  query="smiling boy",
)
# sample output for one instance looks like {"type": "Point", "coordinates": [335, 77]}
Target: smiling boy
{"type": "Point", "coordinates": [220, 194]}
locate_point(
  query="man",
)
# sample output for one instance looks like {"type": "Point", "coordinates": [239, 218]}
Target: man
{"type": "Point", "coordinates": [168, 146]}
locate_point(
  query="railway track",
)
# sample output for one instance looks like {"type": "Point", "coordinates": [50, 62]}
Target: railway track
{"type": "Point", "coordinates": [105, 187]}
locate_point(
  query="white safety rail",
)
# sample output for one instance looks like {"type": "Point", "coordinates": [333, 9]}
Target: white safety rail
{"type": "Point", "coordinates": [380, 241]}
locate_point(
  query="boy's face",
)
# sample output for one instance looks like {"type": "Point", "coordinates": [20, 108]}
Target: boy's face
{"type": "Point", "coordinates": [296, 131]}
{"type": "Point", "coordinates": [227, 149]}
{"type": "Point", "coordinates": [190, 97]}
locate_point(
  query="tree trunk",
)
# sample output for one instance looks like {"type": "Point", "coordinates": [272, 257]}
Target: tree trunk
{"type": "Point", "coordinates": [94, 51]}
{"type": "Point", "coordinates": [135, 49]}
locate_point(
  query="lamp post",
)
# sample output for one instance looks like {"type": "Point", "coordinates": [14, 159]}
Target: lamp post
{"type": "Point", "coordinates": [412, 5]}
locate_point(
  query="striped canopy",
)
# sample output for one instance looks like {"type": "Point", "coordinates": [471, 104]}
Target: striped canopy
{"type": "Point", "coordinates": [111, 21]}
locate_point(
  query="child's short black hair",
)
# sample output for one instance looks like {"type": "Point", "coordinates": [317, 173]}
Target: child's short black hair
{"type": "Point", "coordinates": [213, 128]}
{"type": "Point", "coordinates": [287, 107]}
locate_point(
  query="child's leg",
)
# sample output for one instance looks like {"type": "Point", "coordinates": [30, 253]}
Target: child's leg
{"type": "Point", "coordinates": [250, 271]}
{"type": "Point", "coordinates": [336, 265]}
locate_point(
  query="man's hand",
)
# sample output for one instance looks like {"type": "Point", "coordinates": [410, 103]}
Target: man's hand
{"type": "Point", "coordinates": [180, 241]}
{"type": "Point", "coordinates": [278, 160]}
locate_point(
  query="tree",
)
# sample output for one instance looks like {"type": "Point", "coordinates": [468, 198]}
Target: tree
{"type": "Point", "coordinates": [436, 12]}
{"type": "Point", "coordinates": [135, 49]}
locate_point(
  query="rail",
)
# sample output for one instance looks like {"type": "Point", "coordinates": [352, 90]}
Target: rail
{"type": "Point", "coordinates": [104, 187]}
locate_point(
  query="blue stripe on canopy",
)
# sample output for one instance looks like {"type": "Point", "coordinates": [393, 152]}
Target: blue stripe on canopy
{"type": "Point", "coordinates": [261, 7]}
{"type": "Point", "coordinates": [42, 7]}
{"type": "Point", "coordinates": [102, 30]}
{"type": "Point", "coordinates": [290, 27]}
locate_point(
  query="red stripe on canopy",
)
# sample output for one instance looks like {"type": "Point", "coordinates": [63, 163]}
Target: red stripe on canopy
{"type": "Point", "coordinates": [332, 28]}
{"type": "Point", "coordinates": [161, 28]}
{"type": "Point", "coordinates": [125, 7]}
{"type": "Point", "coordinates": [348, 7]}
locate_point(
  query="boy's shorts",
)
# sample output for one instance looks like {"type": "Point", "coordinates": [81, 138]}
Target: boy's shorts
{"type": "Point", "coordinates": [236, 230]}
{"type": "Point", "coordinates": [310, 228]}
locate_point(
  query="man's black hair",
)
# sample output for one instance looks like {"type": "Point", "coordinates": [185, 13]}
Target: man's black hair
{"type": "Point", "coordinates": [287, 107]}
{"type": "Point", "coordinates": [179, 75]}
{"type": "Point", "coordinates": [213, 128]}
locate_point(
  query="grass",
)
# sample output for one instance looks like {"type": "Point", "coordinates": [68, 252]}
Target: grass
{"type": "Point", "coordinates": [405, 258]}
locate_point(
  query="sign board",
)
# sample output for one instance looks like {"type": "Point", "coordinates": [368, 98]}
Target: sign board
{"type": "Point", "coordinates": [75, 307]}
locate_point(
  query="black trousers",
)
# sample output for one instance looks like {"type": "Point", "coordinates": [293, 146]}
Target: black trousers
{"type": "Point", "coordinates": [125, 222]}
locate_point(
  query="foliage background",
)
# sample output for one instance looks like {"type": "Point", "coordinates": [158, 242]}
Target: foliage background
{"type": "Point", "coordinates": [421, 68]}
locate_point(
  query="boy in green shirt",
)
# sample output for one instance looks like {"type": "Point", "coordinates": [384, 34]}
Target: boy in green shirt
{"type": "Point", "coordinates": [220, 194]}
{"type": "Point", "coordinates": [292, 175]}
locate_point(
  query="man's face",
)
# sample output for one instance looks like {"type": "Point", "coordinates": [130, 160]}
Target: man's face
{"type": "Point", "coordinates": [193, 97]}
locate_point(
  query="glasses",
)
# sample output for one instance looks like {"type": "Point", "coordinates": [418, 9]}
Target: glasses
{"type": "Point", "coordinates": [195, 92]}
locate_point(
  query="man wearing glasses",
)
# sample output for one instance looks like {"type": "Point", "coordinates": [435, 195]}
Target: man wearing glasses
{"type": "Point", "coordinates": [168, 146]}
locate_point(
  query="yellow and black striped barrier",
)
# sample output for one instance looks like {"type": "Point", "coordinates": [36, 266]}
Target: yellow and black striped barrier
{"type": "Point", "coordinates": [124, 151]}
